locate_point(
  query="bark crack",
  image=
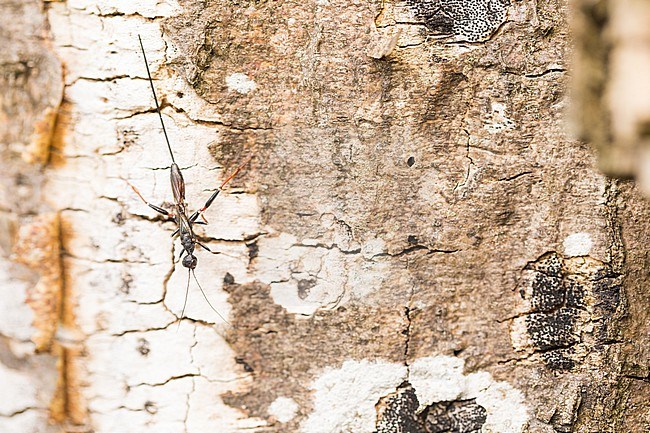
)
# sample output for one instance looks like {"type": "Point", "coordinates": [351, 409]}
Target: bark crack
{"type": "Point", "coordinates": [413, 249]}
{"type": "Point", "coordinates": [165, 382]}
{"type": "Point", "coordinates": [212, 122]}
{"type": "Point", "coordinates": [516, 176]}
{"type": "Point", "coordinates": [189, 394]}
{"type": "Point", "coordinates": [407, 335]}
{"type": "Point", "coordinates": [333, 246]}
{"type": "Point", "coordinates": [168, 276]}
{"type": "Point", "coordinates": [408, 309]}
{"type": "Point", "coordinates": [134, 331]}
{"type": "Point", "coordinates": [18, 412]}
{"type": "Point", "coordinates": [470, 165]}
{"type": "Point", "coordinates": [101, 79]}
{"type": "Point", "coordinates": [187, 404]}
{"type": "Point", "coordinates": [635, 377]}
{"type": "Point", "coordinates": [546, 72]}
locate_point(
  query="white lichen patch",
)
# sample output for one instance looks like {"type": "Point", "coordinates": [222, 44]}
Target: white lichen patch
{"type": "Point", "coordinates": [215, 359]}
{"type": "Point", "coordinates": [497, 119]}
{"type": "Point", "coordinates": [284, 409]}
{"type": "Point", "coordinates": [218, 374]}
{"type": "Point", "coordinates": [240, 83]}
{"type": "Point", "coordinates": [437, 379]}
{"type": "Point", "coordinates": [344, 398]}
{"type": "Point", "coordinates": [441, 378]}
{"type": "Point", "coordinates": [577, 244]}
{"type": "Point", "coordinates": [305, 277]}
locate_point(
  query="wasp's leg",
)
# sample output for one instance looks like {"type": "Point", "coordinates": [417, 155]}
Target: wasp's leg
{"type": "Point", "coordinates": [206, 248]}
{"type": "Point", "coordinates": [152, 206]}
{"type": "Point", "coordinates": [215, 252]}
{"type": "Point", "coordinates": [214, 195]}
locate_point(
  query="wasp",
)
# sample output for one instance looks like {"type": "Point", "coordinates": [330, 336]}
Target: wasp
{"type": "Point", "coordinates": [180, 214]}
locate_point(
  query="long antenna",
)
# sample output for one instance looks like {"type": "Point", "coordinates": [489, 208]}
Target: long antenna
{"type": "Point", "coordinates": [156, 100]}
{"type": "Point", "coordinates": [187, 291]}
{"type": "Point", "coordinates": [207, 300]}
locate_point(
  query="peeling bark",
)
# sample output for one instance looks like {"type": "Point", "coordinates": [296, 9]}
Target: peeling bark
{"type": "Point", "coordinates": [418, 245]}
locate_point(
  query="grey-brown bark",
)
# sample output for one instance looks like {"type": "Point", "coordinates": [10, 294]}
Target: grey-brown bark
{"type": "Point", "coordinates": [419, 245]}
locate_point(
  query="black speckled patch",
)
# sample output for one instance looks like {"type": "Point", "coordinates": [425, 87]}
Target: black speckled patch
{"type": "Point", "coordinates": [559, 312]}
{"type": "Point", "coordinates": [470, 20]}
{"type": "Point", "coordinates": [560, 359]}
{"type": "Point", "coordinates": [548, 292]}
{"type": "Point", "coordinates": [463, 416]}
{"type": "Point", "coordinates": [397, 413]}
{"type": "Point", "coordinates": [553, 330]}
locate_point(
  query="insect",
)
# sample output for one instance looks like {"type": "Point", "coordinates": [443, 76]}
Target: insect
{"type": "Point", "coordinates": [179, 215]}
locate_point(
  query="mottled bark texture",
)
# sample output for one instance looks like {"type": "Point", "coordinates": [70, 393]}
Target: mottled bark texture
{"type": "Point", "coordinates": [418, 244]}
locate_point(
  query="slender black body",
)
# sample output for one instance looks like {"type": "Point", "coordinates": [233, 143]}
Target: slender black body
{"type": "Point", "coordinates": [180, 213]}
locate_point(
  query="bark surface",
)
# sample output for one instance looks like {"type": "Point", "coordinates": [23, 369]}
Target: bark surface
{"type": "Point", "coordinates": [417, 246]}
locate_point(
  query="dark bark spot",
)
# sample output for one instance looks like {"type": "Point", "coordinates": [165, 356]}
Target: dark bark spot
{"type": "Point", "coordinates": [462, 416]}
{"type": "Point", "coordinates": [127, 137]}
{"type": "Point", "coordinates": [127, 280]}
{"type": "Point", "coordinates": [304, 287]}
{"type": "Point", "coordinates": [554, 330]}
{"type": "Point", "coordinates": [559, 359]}
{"type": "Point", "coordinates": [119, 218]}
{"type": "Point", "coordinates": [559, 310]}
{"type": "Point", "coordinates": [253, 250]}
{"type": "Point", "coordinates": [247, 368]}
{"type": "Point", "coordinates": [143, 347]}
{"type": "Point", "coordinates": [548, 293]}
{"type": "Point", "coordinates": [397, 413]}
{"type": "Point", "coordinates": [575, 294]}
{"type": "Point", "coordinates": [471, 20]}
{"type": "Point", "coordinates": [228, 278]}
{"type": "Point", "coordinates": [151, 407]}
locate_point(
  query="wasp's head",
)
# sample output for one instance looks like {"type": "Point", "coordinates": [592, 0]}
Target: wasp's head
{"type": "Point", "coordinates": [189, 261]}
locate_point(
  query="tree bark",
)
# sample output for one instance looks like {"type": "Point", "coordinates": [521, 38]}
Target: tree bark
{"type": "Point", "coordinates": [418, 244]}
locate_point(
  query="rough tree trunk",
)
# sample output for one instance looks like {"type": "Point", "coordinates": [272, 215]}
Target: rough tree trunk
{"type": "Point", "coordinates": [418, 245]}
